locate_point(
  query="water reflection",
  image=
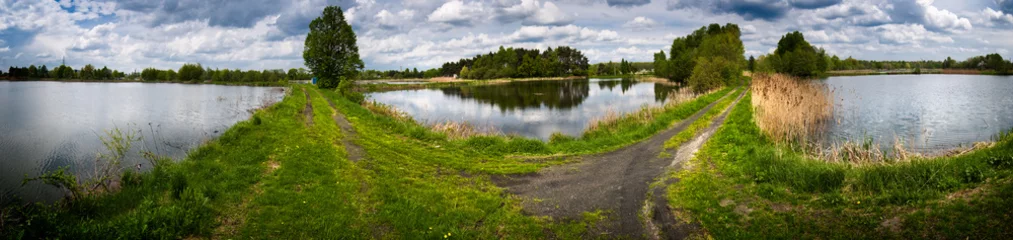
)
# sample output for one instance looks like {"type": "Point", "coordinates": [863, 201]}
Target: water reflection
{"type": "Point", "coordinates": [527, 94]}
{"type": "Point", "coordinates": [529, 108]}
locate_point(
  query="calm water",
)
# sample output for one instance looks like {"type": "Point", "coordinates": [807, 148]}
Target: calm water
{"type": "Point", "coordinates": [930, 112]}
{"type": "Point", "coordinates": [48, 125]}
{"type": "Point", "coordinates": [531, 108]}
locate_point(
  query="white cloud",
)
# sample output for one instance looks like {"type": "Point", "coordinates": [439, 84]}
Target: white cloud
{"type": "Point", "coordinates": [641, 23]}
{"type": "Point", "coordinates": [533, 12]}
{"type": "Point", "coordinates": [944, 19]}
{"type": "Point", "coordinates": [458, 13]}
{"type": "Point", "coordinates": [993, 17]}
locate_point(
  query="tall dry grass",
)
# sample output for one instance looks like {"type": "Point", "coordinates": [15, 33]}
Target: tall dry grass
{"type": "Point", "coordinates": [387, 110]}
{"type": "Point", "coordinates": [791, 110]}
{"type": "Point", "coordinates": [463, 130]}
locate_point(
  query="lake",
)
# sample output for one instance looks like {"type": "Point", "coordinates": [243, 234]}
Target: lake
{"type": "Point", "coordinates": [48, 125]}
{"type": "Point", "coordinates": [931, 113]}
{"type": "Point", "coordinates": [528, 108]}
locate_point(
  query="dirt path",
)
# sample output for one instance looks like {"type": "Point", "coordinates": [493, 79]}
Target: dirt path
{"type": "Point", "coordinates": [308, 110]}
{"type": "Point", "coordinates": [355, 152]}
{"type": "Point", "coordinates": [616, 182]}
{"type": "Point", "coordinates": [662, 223]}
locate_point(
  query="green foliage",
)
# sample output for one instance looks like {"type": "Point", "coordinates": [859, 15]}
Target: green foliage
{"type": "Point", "coordinates": [707, 44]}
{"type": "Point", "coordinates": [796, 57]}
{"type": "Point", "coordinates": [709, 73]}
{"type": "Point", "coordinates": [520, 63]}
{"type": "Point", "coordinates": [331, 52]}
{"type": "Point", "coordinates": [191, 72]}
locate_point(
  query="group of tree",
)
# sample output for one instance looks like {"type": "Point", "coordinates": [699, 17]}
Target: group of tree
{"type": "Point", "coordinates": [795, 56]}
{"type": "Point", "coordinates": [623, 67]}
{"type": "Point", "coordinates": [520, 63]}
{"type": "Point", "coordinates": [708, 58]}
{"type": "Point", "coordinates": [396, 74]}
{"type": "Point", "coordinates": [197, 73]}
{"type": "Point", "coordinates": [88, 72]}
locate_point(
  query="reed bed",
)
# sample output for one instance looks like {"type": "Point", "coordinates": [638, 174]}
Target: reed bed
{"type": "Point", "coordinates": [462, 130]}
{"type": "Point", "coordinates": [791, 110]}
{"type": "Point", "coordinates": [387, 110]}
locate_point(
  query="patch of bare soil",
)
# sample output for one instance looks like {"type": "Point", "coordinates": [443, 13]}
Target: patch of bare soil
{"type": "Point", "coordinates": [307, 112]}
{"type": "Point", "coordinates": [355, 152]}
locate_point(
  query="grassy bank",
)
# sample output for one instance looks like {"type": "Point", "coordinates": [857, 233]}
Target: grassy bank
{"type": "Point", "coordinates": [742, 185]}
{"type": "Point", "coordinates": [280, 175]}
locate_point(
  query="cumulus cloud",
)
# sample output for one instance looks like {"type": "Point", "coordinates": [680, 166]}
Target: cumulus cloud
{"type": "Point", "coordinates": [641, 23]}
{"type": "Point", "coordinates": [909, 34]}
{"type": "Point", "coordinates": [388, 20]}
{"type": "Point", "coordinates": [533, 12]}
{"type": "Point", "coordinates": [923, 12]}
{"type": "Point", "coordinates": [992, 17]}
{"type": "Point", "coordinates": [458, 13]}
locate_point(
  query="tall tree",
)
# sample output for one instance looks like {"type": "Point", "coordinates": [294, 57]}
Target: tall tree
{"type": "Point", "coordinates": [330, 49]}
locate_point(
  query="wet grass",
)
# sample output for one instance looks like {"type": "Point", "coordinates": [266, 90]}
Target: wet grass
{"type": "Point", "coordinates": [744, 185]}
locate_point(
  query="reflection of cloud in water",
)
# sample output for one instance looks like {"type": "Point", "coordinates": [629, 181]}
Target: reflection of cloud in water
{"type": "Point", "coordinates": [533, 109]}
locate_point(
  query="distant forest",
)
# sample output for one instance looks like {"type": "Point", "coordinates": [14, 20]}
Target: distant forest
{"type": "Point", "coordinates": [520, 63]}
{"type": "Point", "coordinates": [186, 73]}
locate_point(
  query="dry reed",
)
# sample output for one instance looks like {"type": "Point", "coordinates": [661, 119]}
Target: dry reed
{"type": "Point", "coordinates": [462, 130]}
{"type": "Point", "coordinates": [387, 110]}
{"type": "Point", "coordinates": [790, 110]}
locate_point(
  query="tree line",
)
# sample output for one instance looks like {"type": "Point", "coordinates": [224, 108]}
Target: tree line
{"type": "Point", "coordinates": [610, 68]}
{"type": "Point", "coordinates": [708, 58]}
{"type": "Point", "coordinates": [88, 72]}
{"type": "Point", "coordinates": [187, 73]}
{"type": "Point", "coordinates": [520, 63]}
{"type": "Point", "coordinates": [795, 56]}
{"type": "Point", "coordinates": [195, 73]}
{"type": "Point", "coordinates": [398, 74]}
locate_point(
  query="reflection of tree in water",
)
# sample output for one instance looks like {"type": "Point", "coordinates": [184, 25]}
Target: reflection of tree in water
{"type": "Point", "coordinates": [661, 91]}
{"type": "Point", "coordinates": [624, 85]}
{"type": "Point", "coordinates": [531, 94]}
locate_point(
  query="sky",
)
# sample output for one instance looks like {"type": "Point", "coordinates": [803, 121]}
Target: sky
{"type": "Point", "coordinates": [394, 34]}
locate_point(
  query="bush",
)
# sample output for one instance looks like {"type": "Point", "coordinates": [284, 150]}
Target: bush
{"type": "Point", "coordinates": [191, 72]}
{"type": "Point", "coordinates": [709, 74]}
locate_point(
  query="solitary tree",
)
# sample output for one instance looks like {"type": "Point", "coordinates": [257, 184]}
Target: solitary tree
{"type": "Point", "coordinates": [330, 50]}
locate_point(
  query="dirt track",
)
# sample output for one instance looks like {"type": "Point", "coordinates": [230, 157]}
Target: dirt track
{"type": "Point", "coordinates": [615, 182]}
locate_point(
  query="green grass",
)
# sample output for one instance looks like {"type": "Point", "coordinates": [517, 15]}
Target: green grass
{"type": "Point", "coordinates": [701, 123]}
{"type": "Point", "coordinates": [741, 185]}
